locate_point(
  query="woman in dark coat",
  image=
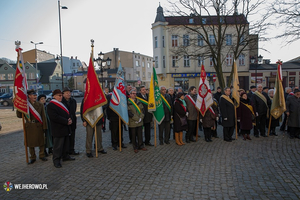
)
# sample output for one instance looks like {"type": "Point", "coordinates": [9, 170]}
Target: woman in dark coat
{"type": "Point", "coordinates": [180, 118]}
{"type": "Point", "coordinates": [245, 115]}
{"type": "Point", "coordinates": [209, 122]}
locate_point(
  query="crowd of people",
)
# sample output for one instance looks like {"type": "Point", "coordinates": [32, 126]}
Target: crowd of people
{"type": "Point", "coordinates": [52, 126]}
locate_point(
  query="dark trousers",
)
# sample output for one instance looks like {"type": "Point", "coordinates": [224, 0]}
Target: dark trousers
{"type": "Point", "coordinates": [60, 148]}
{"type": "Point", "coordinates": [41, 152]}
{"type": "Point", "coordinates": [137, 137]}
{"type": "Point", "coordinates": [164, 127]}
{"type": "Point", "coordinates": [294, 131]}
{"type": "Point", "coordinates": [228, 132]}
{"type": "Point", "coordinates": [207, 133]}
{"type": "Point", "coordinates": [114, 128]}
{"type": "Point", "coordinates": [192, 126]}
{"type": "Point", "coordinates": [147, 132]}
{"type": "Point", "coordinates": [72, 141]}
{"type": "Point", "coordinates": [243, 132]}
{"type": "Point", "coordinates": [260, 124]}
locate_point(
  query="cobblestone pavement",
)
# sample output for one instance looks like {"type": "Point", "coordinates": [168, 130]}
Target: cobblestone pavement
{"type": "Point", "coordinates": [264, 168]}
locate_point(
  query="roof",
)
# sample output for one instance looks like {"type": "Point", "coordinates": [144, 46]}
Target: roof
{"type": "Point", "coordinates": [46, 70]}
{"type": "Point", "coordinates": [160, 15]}
{"type": "Point", "coordinates": [285, 66]}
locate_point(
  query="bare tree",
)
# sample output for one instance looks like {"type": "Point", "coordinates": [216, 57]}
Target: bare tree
{"type": "Point", "coordinates": [287, 13]}
{"type": "Point", "coordinates": [224, 28]}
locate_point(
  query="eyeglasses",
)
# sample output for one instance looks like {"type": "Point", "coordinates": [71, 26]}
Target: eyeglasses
{"type": "Point", "coordinates": [133, 93]}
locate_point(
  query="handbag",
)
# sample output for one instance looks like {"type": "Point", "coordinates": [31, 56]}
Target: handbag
{"type": "Point", "coordinates": [183, 120]}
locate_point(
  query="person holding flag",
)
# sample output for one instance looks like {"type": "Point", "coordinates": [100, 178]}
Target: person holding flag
{"type": "Point", "coordinates": [91, 109]}
{"type": "Point", "coordinates": [35, 127]}
{"type": "Point", "coordinates": [136, 116]}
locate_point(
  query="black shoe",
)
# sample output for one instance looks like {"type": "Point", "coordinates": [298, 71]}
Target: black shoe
{"type": "Point", "coordinates": [215, 136]}
{"type": "Point", "coordinates": [115, 148]}
{"type": "Point", "coordinates": [74, 153]}
{"type": "Point", "coordinates": [149, 144]}
{"type": "Point", "coordinates": [232, 138]}
{"type": "Point", "coordinates": [50, 151]}
{"type": "Point", "coordinates": [257, 136]}
{"type": "Point", "coordinates": [102, 152]}
{"type": "Point", "coordinates": [167, 142]}
{"type": "Point", "coordinates": [228, 140]}
{"type": "Point", "coordinates": [58, 165]}
{"type": "Point", "coordinates": [264, 135]}
{"type": "Point", "coordinates": [192, 140]}
{"type": "Point", "coordinates": [89, 155]}
{"type": "Point", "coordinates": [44, 159]}
{"type": "Point", "coordinates": [161, 143]}
{"type": "Point", "coordinates": [207, 140]}
{"type": "Point", "coordinates": [123, 146]}
{"type": "Point", "coordinates": [275, 134]}
{"type": "Point", "coordinates": [68, 159]}
{"type": "Point", "coordinates": [31, 161]}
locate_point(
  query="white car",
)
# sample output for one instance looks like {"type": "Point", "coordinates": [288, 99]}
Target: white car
{"type": "Point", "coordinates": [77, 93]}
{"type": "Point", "coordinates": [49, 97]}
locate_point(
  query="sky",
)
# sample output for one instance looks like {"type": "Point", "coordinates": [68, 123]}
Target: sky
{"type": "Point", "coordinates": [112, 24]}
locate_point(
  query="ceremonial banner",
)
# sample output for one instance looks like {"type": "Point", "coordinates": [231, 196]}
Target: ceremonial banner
{"type": "Point", "coordinates": [278, 104]}
{"type": "Point", "coordinates": [94, 97]}
{"type": "Point", "coordinates": [204, 96]}
{"type": "Point", "coordinates": [236, 86]}
{"type": "Point", "coordinates": [20, 85]}
{"type": "Point", "coordinates": [118, 101]}
{"type": "Point", "coordinates": [155, 103]}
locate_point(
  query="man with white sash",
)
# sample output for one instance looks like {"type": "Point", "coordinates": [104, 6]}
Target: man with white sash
{"type": "Point", "coordinates": [60, 124]}
{"type": "Point", "coordinates": [36, 127]}
{"type": "Point", "coordinates": [192, 115]}
{"type": "Point", "coordinates": [261, 102]}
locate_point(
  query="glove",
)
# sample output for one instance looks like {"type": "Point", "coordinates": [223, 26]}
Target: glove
{"type": "Point", "coordinates": [217, 119]}
{"type": "Point", "coordinates": [256, 114]}
{"type": "Point", "coordinates": [225, 119]}
{"type": "Point", "coordinates": [187, 114]}
{"type": "Point", "coordinates": [238, 120]}
{"type": "Point", "coordinates": [140, 120]}
{"type": "Point", "coordinates": [201, 120]}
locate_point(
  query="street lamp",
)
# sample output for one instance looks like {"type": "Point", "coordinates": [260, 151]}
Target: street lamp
{"type": "Point", "coordinates": [253, 61]}
{"type": "Point", "coordinates": [61, 60]}
{"type": "Point", "coordinates": [102, 63]}
{"type": "Point", "coordinates": [36, 67]}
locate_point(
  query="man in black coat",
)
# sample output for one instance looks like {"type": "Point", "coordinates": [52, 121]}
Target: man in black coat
{"type": "Point", "coordinates": [293, 113]}
{"type": "Point", "coordinates": [228, 115]}
{"type": "Point", "coordinates": [251, 92]}
{"type": "Point", "coordinates": [71, 104]}
{"type": "Point", "coordinates": [218, 94]}
{"type": "Point", "coordinates": [143, 97]}
{"type": "Point", "coordinates": [164, 127]}
{"type": "Point", "coordinates": [60, 125]}
{"type": "Point", "coordinates": [286, 93]}
{"type": "Point", "coordinates": [261, 103]}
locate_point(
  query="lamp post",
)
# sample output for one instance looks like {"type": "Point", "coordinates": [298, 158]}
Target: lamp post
{"type": "Point", "coordinates": [61, 57]}
{"type": "Point", "coordinates": [253, 61]}
{"type": "Point", "coordinates": [102, 63]}
{"type": "Point", "coordinates": [36, 67]}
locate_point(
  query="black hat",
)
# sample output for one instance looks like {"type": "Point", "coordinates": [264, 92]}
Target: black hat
{"type": "Point", "coordinates": [265, 88]}
{"type": "Point", "coordinates": [218, 87]}
{"type": "Point", "coordinates": [57, 91]}
{"type": "Point", "coordinates": [40, 96]}
{"type": "Point", "coordinates": [252, 86]}
{"type": "Point", "coordinates": [66, 89]}
{"type": "Point", "coordinates": [296, 90]}
{"type": "Point", "coordinates": [30, 92]}
{"type": "Point", "coordinates": [179, 95]}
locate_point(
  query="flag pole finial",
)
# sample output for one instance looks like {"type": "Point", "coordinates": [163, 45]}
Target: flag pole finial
{"type": "Point", "coordinates": [17, 42]}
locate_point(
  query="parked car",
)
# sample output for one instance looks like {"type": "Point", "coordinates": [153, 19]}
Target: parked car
{"type": "Point", "coordinates": [6, 99]}
{"type": "Point", "coordinates": [77, 93]}
{"type": "Point", "coordinates": [49, 97]}
{"type": "Point", "coordinates": [45, 92]}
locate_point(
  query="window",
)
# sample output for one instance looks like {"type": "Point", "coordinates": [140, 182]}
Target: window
{"type": "Point", "coordinates": [163, 41]}
{"type": "Point", "coordinates": [143, 64]}
{"type": "Point", "coordinates": [143, 74]}
{"type": "Point", "coordinates": [212, 40]}
{"type": "Point", "coordinates": [31, 76]}
{"type": "Point", "coordinates": [186, 61]}
{"type": "Point", "coordinates": [174, 61]}
{"type": "Point", "coordinates": [191, 20]}
{"type": "Point", "coordinates": [186, 40]}
{"type": "Point", "coordinates": [137, 74]}
{"type": "Point", "coordinates": [73, 64]}
{"type": "Point", "coordinates": [148, 65]}
{"type": "Point", "coordinates": [174, 41]}
{"type": "Point", "coordinates": [200, 40]}
{"type": "Point", "coordinates": [200, 61]}
{"type": "Point", "coordinates": [156, 61]}
{"type": "Point", "coordinates": [211, 63]}
{"type": "Point", "coordinates": [10, 76]}
{"type": "Point", "coordinates": [155, 42]}
{"type": "Point", "coordinates": [149, 74]}
{"type": "Point", "coordinates": [2, 76]}
{"type": "Point", "coordinates": [137, 63]}
{"type": "Point", "coordinates": [242, 40]}
{"type": "Point", "coordinates": [228, 39]}
{"type": "Point", "coordinates": [242, 60]}
{"type": "Point", "coordinates": [164, 61]}
{"type": "Point", "coordinates": [203, 20]}
{"type": "Point", "coordinates": [229, 59]}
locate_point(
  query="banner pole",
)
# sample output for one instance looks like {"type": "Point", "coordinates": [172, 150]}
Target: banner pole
{"type": "Point", "coordinates": [236, 130]}
{"type": "Point", "coordinates": [96, 143]}
{"type": "Point", "coordinates": [154, 123]}
{"type": "Point", "coordinates": [25, 138]}
{"type": "Point", "coordinates": [197, 130]}
{"type": "Point", "coordinates": [269, 125]}
{"type": "Point", "coordinates": [120, 138]}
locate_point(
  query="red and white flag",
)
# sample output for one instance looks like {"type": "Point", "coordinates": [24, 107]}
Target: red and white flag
{"type": "Point", "coordinates": [204, 96]}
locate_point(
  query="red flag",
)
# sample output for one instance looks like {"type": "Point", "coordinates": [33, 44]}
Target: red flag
{"type": "Point", "coordinates": [94, 97]}
{"type": "Point", "coordinates": [20, 85]}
